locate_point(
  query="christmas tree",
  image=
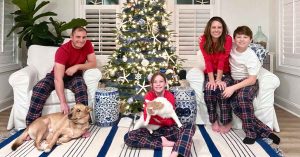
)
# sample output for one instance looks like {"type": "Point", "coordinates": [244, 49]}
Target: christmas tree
{"type": "Point", "coordinates": [145, 48]}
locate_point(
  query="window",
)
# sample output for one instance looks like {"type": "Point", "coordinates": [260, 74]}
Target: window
{"type": "Point", "coordinates": [189, 18]}
{"type": "Point", "coordinates": [289, 37]}
{"type": "Point", "coordinates": [8, 45]}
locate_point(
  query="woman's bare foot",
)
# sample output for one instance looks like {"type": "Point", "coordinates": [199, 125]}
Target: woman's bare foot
{"type": "Point", "coordinates": [226, 128]}
{"type": "Point", "coordinates": [215, 126]}
{"type": "Point", "coordinates": [166, 143]}
{"type": "Point", "coordinates": [174, 154]}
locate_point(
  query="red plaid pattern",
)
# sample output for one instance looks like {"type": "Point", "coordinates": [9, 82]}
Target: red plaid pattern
{"type": "Point", "coordinates": [242, 104]}
{"type": "Point", "coordinates": [44, 87]}
{"type": "Point", "coordinates": [141, 138]}
{"type": "Point", "coordinates": [214, 98]}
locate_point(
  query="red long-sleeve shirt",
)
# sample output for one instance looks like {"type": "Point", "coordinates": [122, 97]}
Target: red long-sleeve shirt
{"type": "Point", "coordinates": [216, 61]}
{"type": "Point", "coordinates": [161, 121]}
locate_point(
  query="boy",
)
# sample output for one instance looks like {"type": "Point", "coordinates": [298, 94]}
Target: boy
{"type": "Point", "coordinates": [245, 67]}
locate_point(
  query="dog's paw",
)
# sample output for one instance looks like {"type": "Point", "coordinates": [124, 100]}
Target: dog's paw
{"type": "Point", "coordinates": [47, 150]}
{"type": "Point", "coordinates": [44, 145]}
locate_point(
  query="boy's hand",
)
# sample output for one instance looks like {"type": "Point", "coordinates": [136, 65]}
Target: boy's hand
{"type": "Point", "coordinates": [228, 91]}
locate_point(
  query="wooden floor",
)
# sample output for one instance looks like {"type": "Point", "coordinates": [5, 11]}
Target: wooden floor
{"type": "Point", "coordinates": [289, 134]}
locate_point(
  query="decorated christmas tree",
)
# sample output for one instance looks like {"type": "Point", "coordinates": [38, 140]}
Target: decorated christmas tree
{"type": "Point", "coordinates": [145, 48]}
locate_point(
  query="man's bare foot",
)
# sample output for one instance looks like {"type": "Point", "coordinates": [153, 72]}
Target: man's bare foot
{"type": "Point", "coordinates": [174, 154]}
{"type": "Point", "coordinates": [226, 128]}
{"type": "Point", "coordinates": [215, 126]}
{"type": "Point", "coordinates": [166, 143]}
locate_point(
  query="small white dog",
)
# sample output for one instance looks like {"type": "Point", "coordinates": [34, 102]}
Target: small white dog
{"type": "Point", "coordinates": [161, 107]}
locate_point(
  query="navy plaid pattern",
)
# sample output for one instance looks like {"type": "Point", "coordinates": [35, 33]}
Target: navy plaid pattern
{"type": "Point", "coordinates": [141, 138]}
{"type": "Point", "coordinates": [214, 98]}
{"type": "Point", "coordinates": [242, 104]}
{"type": "Point", "coordinates": [44, 87]}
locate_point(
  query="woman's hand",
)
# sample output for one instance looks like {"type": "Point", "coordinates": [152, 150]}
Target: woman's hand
{"type": "Point", "coordinates": [211, 85]}
{"type": "Point", "coordinates": [221, 84]}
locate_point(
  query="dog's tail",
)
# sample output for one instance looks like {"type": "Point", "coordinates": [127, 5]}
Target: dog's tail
{"type": "Point", "coordinates": [20, 140]}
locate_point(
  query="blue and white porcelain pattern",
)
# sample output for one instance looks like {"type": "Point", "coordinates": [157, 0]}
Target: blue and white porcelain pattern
{"type": "Point", "coordinates": [186, 105]}
{"type": "Point", "coordinates": [106, 109]}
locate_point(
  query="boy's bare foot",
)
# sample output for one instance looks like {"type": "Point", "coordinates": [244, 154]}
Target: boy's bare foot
{"type": "Point", "coordinates": [174, 154]}
{"type": "Point", "coordinates": [166, 143]}
{"type": "Point", "coordinates": [215, 126]}
{"type": "Point", "coordinates": [226, 128]}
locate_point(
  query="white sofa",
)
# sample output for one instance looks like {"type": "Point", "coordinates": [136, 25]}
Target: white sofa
{"type": "Point", "coordinates": [263, 103]}
{"type": "Point", "coordinates": [40, 61]}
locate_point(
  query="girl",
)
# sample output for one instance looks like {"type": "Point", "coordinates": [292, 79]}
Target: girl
{"type": "Point", "coordinates": [168, 135]}
{"type": "Point", "coordinates": [215, 45]}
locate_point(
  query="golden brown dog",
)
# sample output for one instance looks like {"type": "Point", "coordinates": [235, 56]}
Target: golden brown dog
{"type": "Point", "coordinates": [56, 128]}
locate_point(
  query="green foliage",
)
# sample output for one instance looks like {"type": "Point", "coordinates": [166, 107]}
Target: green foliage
{"type": "Point", "coordinates": [33, 32]}
{"type": "Point", "coordinates": [145, 48]}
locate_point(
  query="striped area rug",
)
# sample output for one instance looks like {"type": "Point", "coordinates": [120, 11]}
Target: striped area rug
{"type": "Point", "coordinates": [108, 141]}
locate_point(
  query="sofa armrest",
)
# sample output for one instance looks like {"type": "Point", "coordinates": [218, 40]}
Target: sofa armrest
{"type": "Point", "coordinates": [24, 79]}
{"type": "Point", "coordinates": [92, 78]}
{"type": "Point", "coordinates": [268, 82]}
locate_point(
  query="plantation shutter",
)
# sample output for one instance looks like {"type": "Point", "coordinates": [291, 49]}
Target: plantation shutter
{"type": "Point", "coordinates": [191, 23]}
{"type": "Point", "coordinates": [8, 46]}
{"type": "Point", "coordinates": [289, 55]}
{"type": "Point", "coordinates": [191, 18]}
{"type": "Point", "coordinates": [101, 24]}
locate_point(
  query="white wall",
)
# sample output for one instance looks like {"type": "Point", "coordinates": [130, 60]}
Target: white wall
{"type": "Point", "coordinates": [252, 13]}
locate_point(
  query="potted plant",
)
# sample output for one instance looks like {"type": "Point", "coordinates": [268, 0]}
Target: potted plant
{"type": "Point", "coordinates": [33, 32]}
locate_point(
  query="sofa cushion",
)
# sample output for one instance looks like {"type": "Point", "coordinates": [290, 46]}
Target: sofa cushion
{"type": "Point", "coordinates": [41, 57]}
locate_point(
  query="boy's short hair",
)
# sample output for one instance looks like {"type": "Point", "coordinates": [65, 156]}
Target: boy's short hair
{"type": "Point", "coordinates": [245, 30]}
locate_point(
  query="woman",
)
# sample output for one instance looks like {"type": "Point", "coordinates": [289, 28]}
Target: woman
{"type": "Point", "coordinates": [215, 45]}
{"type": "Point", "coordinates": [168, 135]}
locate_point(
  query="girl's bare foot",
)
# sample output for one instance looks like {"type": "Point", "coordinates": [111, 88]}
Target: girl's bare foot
{"type": "Point", "coordinates": [215, 126]}
{"type": "Point", "coordinates": [174, 154]}
{"type": "Point", "coordinates": [226, 128]}
{"type": "Point", "coordinates": [166, 143]}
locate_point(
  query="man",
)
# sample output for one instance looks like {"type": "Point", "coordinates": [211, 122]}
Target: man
{"type": "Point", "coordinates": [71, 59]}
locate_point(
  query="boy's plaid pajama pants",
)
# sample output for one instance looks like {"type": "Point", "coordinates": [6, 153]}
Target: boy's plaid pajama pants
{"type": "Point", "coordinates": [141, 138]}
{"type": "Point", "coordinates": [44, 87]}
{"type": "Point", "coordinates": [242, 104]}
{"type": "Point", "coordinates": [214, 98]}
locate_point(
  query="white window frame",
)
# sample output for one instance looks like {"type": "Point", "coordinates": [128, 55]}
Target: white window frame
{"type": "Point", "coordinates": [8, 46]}
{"type": "Point", "coordinates": [288, 59]}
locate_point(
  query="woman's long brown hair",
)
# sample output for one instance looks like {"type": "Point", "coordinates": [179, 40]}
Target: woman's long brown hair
{"type": "Point", "coordinates": [217, 47]}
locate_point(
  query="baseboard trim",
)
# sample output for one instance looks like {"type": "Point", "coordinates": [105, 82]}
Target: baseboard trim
{"type": "Point", "coordinates": [6, 104]}
{"type": "Point", "coordinates": [287, 105]}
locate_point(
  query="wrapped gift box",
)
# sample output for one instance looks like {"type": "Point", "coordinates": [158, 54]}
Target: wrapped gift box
{"type": "Point", "coordinates": [186, 105]}
{"type": "Point", "coordinates": [106, 108]}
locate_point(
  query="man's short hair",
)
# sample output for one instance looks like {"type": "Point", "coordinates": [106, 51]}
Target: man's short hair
{"type": "Point", "coordinates": [78, 28]}
{"type": "Point", "coordinates": [243, 30]}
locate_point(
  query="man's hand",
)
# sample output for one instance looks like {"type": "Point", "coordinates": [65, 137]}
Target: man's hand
{"type": "Point", "coordinates": [73, 69]}
{"type": "Point", "coordinates": [64, 108]}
